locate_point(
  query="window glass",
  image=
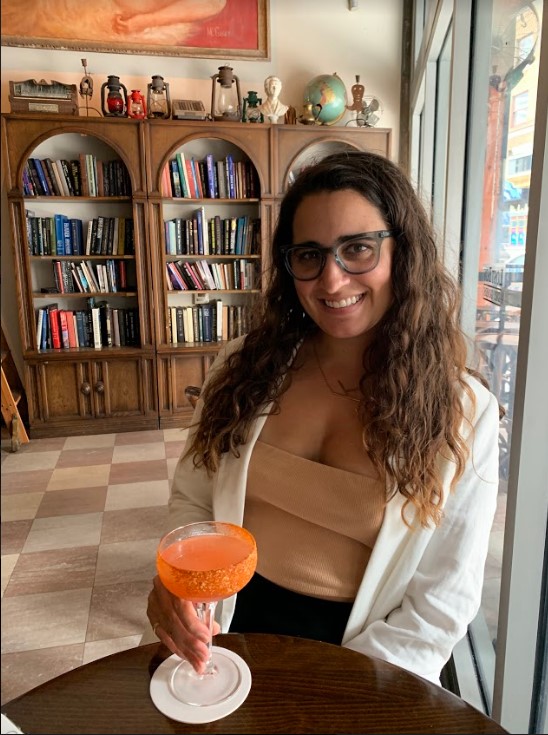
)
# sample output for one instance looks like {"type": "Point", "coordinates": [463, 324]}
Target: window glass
{"type": "Point", "coordinates": [510, 95]}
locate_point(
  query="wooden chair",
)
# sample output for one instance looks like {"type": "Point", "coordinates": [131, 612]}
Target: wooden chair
{"type": "Point", "coordinates": [192, 393]}
{"type": "Point", "coordinates": [10, 411]}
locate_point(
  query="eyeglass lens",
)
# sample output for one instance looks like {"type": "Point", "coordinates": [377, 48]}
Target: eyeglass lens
{"type": "Point", "coordinates": [355, 256]}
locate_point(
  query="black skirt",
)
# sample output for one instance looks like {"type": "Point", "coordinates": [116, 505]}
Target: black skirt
{"type": "Point", "coordinates": [265, 607]}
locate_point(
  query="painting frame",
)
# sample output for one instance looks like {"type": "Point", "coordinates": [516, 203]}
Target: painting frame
{"type": "Point", "coordinates": [259, 49]}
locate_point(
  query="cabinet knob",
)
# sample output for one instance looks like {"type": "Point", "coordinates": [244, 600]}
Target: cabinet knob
{"type": "Point", "coordinates": [85, 388]}
{"type": "Point", "coordinates": [99, 387]}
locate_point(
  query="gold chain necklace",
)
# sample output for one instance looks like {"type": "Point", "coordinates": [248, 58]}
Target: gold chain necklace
{"type": "Point", "coordinates": [345, 391]}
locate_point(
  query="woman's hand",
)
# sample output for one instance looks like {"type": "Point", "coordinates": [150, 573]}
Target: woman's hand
{"type": "Point", "coordinates": [176, 624]}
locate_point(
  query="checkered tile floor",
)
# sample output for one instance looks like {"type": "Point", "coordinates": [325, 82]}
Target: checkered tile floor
{"type": "Point", "coordinates": [81, 517]}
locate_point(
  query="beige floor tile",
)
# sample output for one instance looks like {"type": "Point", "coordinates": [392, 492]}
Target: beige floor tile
{"type": "Point", "coordinates": [118, 610]}
{"type": "Point", "coordinates": [126, 472]}
{"type": "Point", "coordinates": [83, 457]}
{"type": "Point", "coordinates": [45, 445]}
{"type": "Point", "coordinates": [25, 461]}
{"type": "Point", "coordinates": [140, 437]}
{"type": "Point", "coordinates": [13, 536]}
{"type": "Point", "coordinates": [8, 563]}
{"type": "Point", "coordinates": [53, 571]}
{"type": "Point", "coordinates": [174, 449]}
{"type": "Point", "coordinates": [139, 452]}
{"type": "Point", "coordinates": [175, 435]}
{"type": "Point", "coordinates": [28, 481]}
{"type": "Point", "coordinates": [99, 649]}
{"type": "Point", "coordinates": [21, 506]}
{"type": "Point", "coordinates": [133, 524]}
{"type": "Point", "coordinates": [137, 495]}
{"type": "Point", "coordinates": [27, 669]}
{"type": "Point", "coordinates": [171, 465]}
{"type": "Point", "coordinates": [72, 502]}
{"type": "Point", "coordinates": [64, 532]}
{"type": "Point", "coordinates": [93, 440]}
{"type": "Point", "coordinates": [45, 620]}
{"type": "Point", "coordinates": [126, 561]}
{"type": "Point", "coordinates": [73, 477]}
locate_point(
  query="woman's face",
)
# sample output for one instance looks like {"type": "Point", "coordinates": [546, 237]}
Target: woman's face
{"type": "Point", "coordinates": [342, 304]}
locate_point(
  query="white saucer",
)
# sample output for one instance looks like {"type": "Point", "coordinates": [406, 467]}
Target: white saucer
{"type": "Point", "coordinates": [170, 706]}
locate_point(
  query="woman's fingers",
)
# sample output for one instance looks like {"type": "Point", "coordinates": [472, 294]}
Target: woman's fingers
{"type": "Point", "coordinates": [177, 625]}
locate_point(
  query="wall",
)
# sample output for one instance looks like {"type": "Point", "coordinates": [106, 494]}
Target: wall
{"type": "Point", "coordinates": [306, 38]}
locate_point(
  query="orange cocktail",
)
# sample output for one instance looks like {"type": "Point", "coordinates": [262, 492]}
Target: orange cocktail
{"type": "Point", "coordinates": [209, 567]}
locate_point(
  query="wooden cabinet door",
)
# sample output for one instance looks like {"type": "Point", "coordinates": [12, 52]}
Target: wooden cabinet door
{"type": "Point", "coordinates": [123, 387]}
{"type": "Point", "coordinates": [60, 395]}
{"type": "Point", "coordinates": [176, 372]}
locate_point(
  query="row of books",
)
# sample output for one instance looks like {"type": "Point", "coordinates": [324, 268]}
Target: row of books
{"type": "Point", "coordinates": [86, 277]}
{"type": "Point", "coordinates": [211, 322]}
{"type": "Point", "coordinates": [201, 275]}
{"type": "Point", "coordinates": [209, 178]}
{"type": "Point", "coordinates": [61, 235]}
{"type": "Point", "coordinates": [84, 176]}
{"type": "Point", "coordinates": [198, 235]}
{"type": "Point", "coordinates": [98, 326]}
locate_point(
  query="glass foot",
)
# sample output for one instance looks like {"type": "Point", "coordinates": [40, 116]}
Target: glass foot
{"type": "Point", "coordinates": [213, 687]}
{"type": "Point", "coordinates": [232, 694]}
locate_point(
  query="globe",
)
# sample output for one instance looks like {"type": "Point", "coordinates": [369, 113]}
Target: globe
{"type": "Point", "coordinates": [329, 91]}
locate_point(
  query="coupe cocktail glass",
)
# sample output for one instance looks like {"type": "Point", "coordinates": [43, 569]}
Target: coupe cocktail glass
{"type": "Point", "coordinates": [206, 562]}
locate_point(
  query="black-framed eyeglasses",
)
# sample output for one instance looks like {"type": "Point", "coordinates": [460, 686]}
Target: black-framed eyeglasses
{"type": "Point", "coordinates": [356, 254]}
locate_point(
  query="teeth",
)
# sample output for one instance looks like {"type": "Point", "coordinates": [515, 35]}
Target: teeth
{"type": "Point", "coordinates": [343, 303]}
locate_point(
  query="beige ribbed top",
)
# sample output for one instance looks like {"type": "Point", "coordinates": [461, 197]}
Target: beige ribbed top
{"type": "Point", "coordinates": [315, 525]}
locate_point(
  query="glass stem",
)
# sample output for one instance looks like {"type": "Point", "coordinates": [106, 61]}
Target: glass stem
{"type": "Point", "coordinates": [206, 613]}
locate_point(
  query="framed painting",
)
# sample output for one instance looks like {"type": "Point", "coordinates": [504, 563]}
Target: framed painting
{"type": "Point", "coordinates": [203, 28]}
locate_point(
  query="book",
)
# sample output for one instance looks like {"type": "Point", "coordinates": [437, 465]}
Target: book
{"type": "Point", "coordinates": [173, 324]}
{"type": "Point", "coordinates": [47, 165]}
{"type": "Point", "coordinates": [175, 179]}
{"type": "Point", "coordinates": [42, 176]}
{"type": "Point", "coordinates": [96, 324]}
{"type": "Point", "coordinates": [230, 177]}
{"type": "Point", "coordinates": [67, 173]}
{"type": "Point", "coordinates": [77, 236]}
{"type": "Point", "coordinates": [183, 174]}
{"type": "Point", "coordinates": [61, 173]}
{"type": "Point", "coordinates": [84, 183]}
{"type": "Point", "coordinates": [81, 329]}
{"type": "Point", "coordinates": [75, 174]}
{"type": "Point", "coordinates": [55, 326]}
{"type": "Point", "coordinates": [190, 176]}
{"type": "Point", "coordinates": [188, 324]}
{"type": "Point", "coordinates": [41, 315]}
{"type": "Point", "coordinates": [179, 319]}
{"type": "Point", "coordinates": [211, 177]}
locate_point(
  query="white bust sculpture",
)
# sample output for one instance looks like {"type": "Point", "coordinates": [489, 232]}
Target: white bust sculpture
{"type": "Point", "coordinates": [272, 108]}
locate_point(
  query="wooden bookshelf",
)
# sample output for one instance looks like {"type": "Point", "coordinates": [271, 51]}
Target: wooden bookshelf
{"type": "Point", "coordinates": [116, 387]}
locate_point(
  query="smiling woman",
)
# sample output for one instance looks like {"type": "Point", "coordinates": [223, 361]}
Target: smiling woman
{"type": "Point", "coordinates": [346, 433]}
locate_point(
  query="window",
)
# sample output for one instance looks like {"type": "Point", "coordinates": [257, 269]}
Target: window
{"type": "Point", "coordinates": [502, 210]}
{"type": "Point", "coordinates": [520, 108]}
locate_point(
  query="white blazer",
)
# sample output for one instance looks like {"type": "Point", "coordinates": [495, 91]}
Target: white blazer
{"type": "Point", "coordinates": [422, 587]}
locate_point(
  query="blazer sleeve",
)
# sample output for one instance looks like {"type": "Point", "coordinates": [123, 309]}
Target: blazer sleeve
{"type": "Point", "coordinates": [443, 595]}
{"type": "Point", "coordinates": [191, 496]}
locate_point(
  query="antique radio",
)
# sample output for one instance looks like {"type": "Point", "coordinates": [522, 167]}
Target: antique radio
{"type": "Point", "coordinates": [42, 96]}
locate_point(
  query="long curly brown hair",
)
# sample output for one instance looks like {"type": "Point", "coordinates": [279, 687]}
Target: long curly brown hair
{"type": "Point", "coordinates": [412, 407]}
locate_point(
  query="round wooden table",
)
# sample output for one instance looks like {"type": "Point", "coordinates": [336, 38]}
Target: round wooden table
{"type": "Point", "coordinates": [299, 686]}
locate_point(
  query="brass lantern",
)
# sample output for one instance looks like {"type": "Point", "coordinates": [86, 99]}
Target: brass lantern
{"type": "Point", "coordinates": [226, 104]}
{"type": "Point", "coordinates": [158, 99]}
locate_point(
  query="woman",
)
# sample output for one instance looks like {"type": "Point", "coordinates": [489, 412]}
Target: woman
{"type": "Point", "coordinates": [347, 435]}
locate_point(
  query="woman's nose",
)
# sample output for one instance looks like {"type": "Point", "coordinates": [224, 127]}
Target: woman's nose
{"type": "Point", "coordinates": [333, 276]}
